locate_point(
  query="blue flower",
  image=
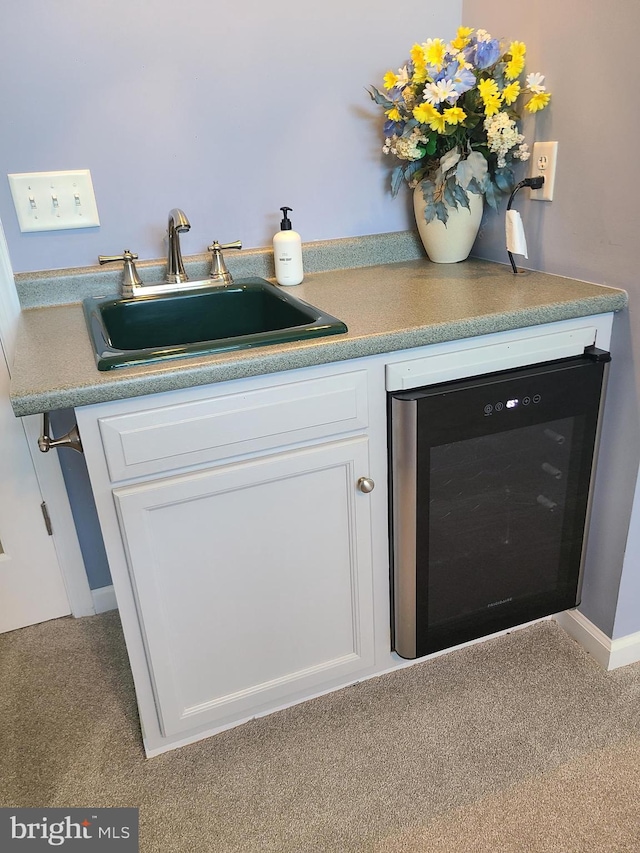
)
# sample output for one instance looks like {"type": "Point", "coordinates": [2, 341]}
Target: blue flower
{"type": "Point", "coordinates": [487, 53]}
{"type": "Point", "coordinates": [389, 128]}
{"type": "Point", "coordinates": [463, 79]}
{"type": "Point", "coordinates": [436, 75]}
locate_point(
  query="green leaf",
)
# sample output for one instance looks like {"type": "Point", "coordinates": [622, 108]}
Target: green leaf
{"type": "Point", "coordinates": [473, 168]}
{"type": "Point", "coordinates": [464, 173]}
{"type": "Point", "coordinates": [473, 120]}
{"type": "Point", "coordinates": [460, 195]}
{"type": "Point", "coordinates": [449, 194]}
{"type": "Point", "coordinates": [412, 168]}
{"type": "Point", "coordinates": [428, 194]}
{"type": "Point", "coordinates": [475, 187]}
{"type": "Point", "coordinates": [397, 176]}
{"type": "Point", "coordinates": [432, 145]}
{"type": "Point", "coordinates": [449, 160]}
{"type": "Point", "coordinates": [429, 212]}
{"type": "Point", "coordinates": [441, 212]}
{"type": "Point", "coordinates": [379, 98]}
{"type": "Point", "coordinates": [490, 194]}
{"type": "Point", "coordinates": [428, 191]}
{"type": "Point", "coordinates": [478, 163]}
{"type": "Point", "coordinates": [433, 209]}
{"type": "Point", "coordinates": [504, 179]}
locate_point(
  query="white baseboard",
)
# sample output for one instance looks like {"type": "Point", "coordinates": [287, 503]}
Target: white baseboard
{"type": "Point", "coordinates": [104, 598]}
{"type": "Point", "coordinates": [610, 654]}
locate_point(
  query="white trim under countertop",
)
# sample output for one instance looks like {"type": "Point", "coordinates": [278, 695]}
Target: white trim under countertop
{"type": "Point", "coordinates": [610, 654]}
{"type": "Point", "coordinates": [479, 358]}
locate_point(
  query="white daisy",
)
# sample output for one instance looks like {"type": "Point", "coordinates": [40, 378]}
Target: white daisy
{"type": "Point", "coordinates": [534, 83]}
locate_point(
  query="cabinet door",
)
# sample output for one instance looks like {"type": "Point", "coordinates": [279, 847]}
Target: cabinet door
{"type": "Point", "coordinates": [252, 580]}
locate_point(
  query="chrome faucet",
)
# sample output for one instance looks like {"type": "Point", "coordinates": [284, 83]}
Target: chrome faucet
{"type": "Point", "coordinates": [178, 223]}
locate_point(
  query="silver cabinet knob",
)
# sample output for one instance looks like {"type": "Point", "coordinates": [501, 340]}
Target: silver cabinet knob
{"type": "Point", "coordinates": [366, 485]}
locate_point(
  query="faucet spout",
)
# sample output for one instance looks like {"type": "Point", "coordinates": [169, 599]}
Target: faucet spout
{"type": "Point", "coordinates": [178, 223]}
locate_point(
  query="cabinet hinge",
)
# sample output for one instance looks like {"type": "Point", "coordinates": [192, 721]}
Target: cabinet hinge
{"type": "Point", "coordinates": [47, 519]}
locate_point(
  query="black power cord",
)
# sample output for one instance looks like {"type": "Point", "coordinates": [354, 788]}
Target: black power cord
{"type": "Point", "coordinates": [534, 184]}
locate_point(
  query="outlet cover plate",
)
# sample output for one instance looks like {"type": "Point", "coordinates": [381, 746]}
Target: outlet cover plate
{"type": "Point", "coordinates": [543, 163]}
{"type": "Point", "coordinates": [54, 201]}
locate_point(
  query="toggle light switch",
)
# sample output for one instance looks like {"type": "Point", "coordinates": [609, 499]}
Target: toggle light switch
{"type": "Point", "coordinates": [54, 201]}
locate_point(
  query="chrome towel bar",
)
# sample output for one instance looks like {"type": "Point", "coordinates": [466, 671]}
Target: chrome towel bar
{"type": "Point", "coordinates": [70, 439]}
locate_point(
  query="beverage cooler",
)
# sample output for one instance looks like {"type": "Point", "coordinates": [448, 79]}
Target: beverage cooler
{"type": "Point", "coordinates": [491, 479]}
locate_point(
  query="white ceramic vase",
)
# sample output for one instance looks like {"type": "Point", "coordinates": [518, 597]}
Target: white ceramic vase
{"type": "Point", "coordinates": [450, 243]}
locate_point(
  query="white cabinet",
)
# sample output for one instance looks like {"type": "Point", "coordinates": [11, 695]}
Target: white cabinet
{"type": "Point", "coordinates": [240, 543]}
{"type": "Point", "coordinates": [251, 578]}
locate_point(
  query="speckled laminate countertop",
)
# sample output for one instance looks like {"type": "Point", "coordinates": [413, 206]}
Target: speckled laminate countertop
{"type": "Point", "coordinates": [388, 307]}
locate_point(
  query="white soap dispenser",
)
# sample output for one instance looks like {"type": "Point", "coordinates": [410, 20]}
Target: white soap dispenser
{"type": "Point", "coordinates": [287, 251]}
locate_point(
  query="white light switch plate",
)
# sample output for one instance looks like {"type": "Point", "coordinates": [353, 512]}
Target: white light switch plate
{"type": "Point", "coordinates": [54, 201]}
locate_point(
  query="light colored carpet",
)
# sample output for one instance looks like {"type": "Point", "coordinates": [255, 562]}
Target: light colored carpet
{"type": "Point", "coordinates": [518, 744]}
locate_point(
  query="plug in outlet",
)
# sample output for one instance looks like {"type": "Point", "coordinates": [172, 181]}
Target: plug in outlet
{"type": "Point", "coordinates": [543, 163]}
{"type": "Point", "coordinates": [54, 201]}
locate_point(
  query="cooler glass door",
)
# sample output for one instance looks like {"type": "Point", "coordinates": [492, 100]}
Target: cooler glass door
{"type": "Point", "coordinates": [490, 491]}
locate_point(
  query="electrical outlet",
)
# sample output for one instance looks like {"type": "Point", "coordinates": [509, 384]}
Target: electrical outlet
{"type": "Point", "coordinates": [54, 201]}
{"type": "Point", "coordinates": [543, 162]}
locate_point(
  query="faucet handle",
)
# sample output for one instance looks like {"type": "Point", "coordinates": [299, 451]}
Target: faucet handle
{"type": "Point", "coordinates": [131, 280]}
{"type": "Point", "coordinates": [219, 271]}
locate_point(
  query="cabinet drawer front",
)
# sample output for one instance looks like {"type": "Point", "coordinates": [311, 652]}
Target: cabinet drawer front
{"type": "Point", "coordinates": [215, 428]}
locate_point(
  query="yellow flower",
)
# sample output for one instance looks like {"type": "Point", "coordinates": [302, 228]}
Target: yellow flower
{"type": "Point", "coordinates": [390, 80]}
{"type": "Point", "coordinates": [417, 55]}
{"type": "Point", "coordinates": [492, 105]}
{"type": "Point", "coordinates": [427, 114]}
{"type": "Point", "coordinates": [510, 93]}
{"type": "Point", "coordinates": [514, 68]}
{"type": "Point", "coordinates": [462, 38]}
{"type": "Point", "coordinates": [488, 88]}
{"type": "Point", "coordinates": [394, 114]}
{"type": "Point", "coordinates": [538, 102]}
{"type": "Point", "coordinates": [517, 49]}
{"type": "Point", "coordinates": [455, 115]}
{"type": "Point", "coordinates": [434, 52]}
{"type": "Point", "coordinates": [490, 95]}
{"type": "Point", "coordinates": [438, 122]}
{"type": "Point", "coordinates": [419, 64]}
{"type": "Point", "coordinates": [424, 113]}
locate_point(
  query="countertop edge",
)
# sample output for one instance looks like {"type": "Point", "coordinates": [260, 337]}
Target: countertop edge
{"type": "Point", "coordinates": [307, 354]}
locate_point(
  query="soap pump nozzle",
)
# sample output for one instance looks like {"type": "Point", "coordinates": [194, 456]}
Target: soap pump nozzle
{"type": "Point", "coordinates": [285, 224]}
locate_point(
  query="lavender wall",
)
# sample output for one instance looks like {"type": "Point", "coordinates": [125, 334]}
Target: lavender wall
{"type": "Point", "coordinates": [226, 111]}
{"type": "Point", "coordinates": [589, 231]}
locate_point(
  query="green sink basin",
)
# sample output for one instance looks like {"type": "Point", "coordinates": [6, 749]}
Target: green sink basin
{"type": "Point", "coordinates": [247, 313]}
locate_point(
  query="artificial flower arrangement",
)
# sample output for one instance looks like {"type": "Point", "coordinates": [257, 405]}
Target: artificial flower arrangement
{"type": "Point", "coordinates": [451, 118]}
